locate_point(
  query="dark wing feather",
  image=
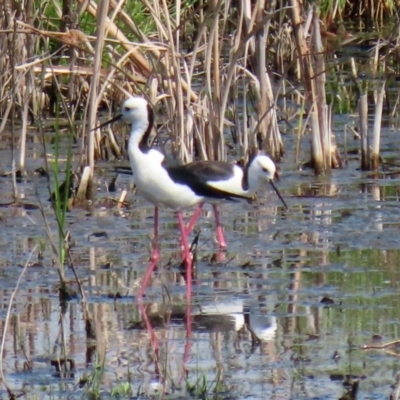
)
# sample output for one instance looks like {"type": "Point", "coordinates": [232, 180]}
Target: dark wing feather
{"type": "Point", "coordinates": [185, 175]}
{"type": "Point", "coordinates": [211, 170]}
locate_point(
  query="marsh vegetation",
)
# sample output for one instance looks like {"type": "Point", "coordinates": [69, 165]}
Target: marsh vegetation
{"type": "Point", "coordinates": [288, 307]}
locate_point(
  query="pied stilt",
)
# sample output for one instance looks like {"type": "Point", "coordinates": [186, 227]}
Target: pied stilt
{"type": "Point", "coordinates": [177, 187]}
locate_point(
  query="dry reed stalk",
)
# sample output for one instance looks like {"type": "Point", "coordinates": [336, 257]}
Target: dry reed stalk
{"type": "Point", "coordinates": [242, 138]}
{"type": "Point", "coordinates": [375, 60]}
{"type": "Point", "coordinates": [325, 154]}
{"type": "Point", "coordinates": [127, 20]}
{"type": "Point", "coordinates": [205, 143]}
{"type": "Point", "coordinates": [213, 57]}
{"type": "Point", "coordinates": [246, 21]}
{"type": "Point", "coordinates": [170, 66]}
{"type": "Point", "coordinates": [74, 38]}
{"type": "Point", "coordinates": [303, 50]}
{"type": "Point", "coordinates": [169, 72]}
{"type": "Point", "coordinates": [16, 86]}
{"type": "Point", "coordinates": [29, 85]}
{"type": "Point", "coordinates": [196, 111]}
{"type": "Point", "coordinates": [268, 123]}
{"type": "Point", "coordinates": [84, 184]}
{"type": "Point", "coordinates": [316, 145]}
{"type": "Point", "coordinates": [219, 86]}
{"type": "Point", "coordinates": [271, 138]}
{"type": "Point", "coordinates": [363, 115]}
{"type": "Point", "coordinates": [377, 128]}
{"type": "Point", "coordinates": [244, 142]}
{"type": "Point", "coordinates": [301, 132]}
{"type": "Point", "coordinates": [12, 46]}
{"type": "Point", "coordinates": [260, 65]}
{"type": "Point", "coordinates": [307, 71]}
{"type": "Point", "coordinates": [94, 135]}
{"type": "Point", "coordinates": [208, 121]}
{"type": "Point", "coordinates": [136, 57]}
{"type": "Point", "coordinates": [7, 111]}
{"type": "Point", "coordinates": [80, 70]}
{"type": "Point", "coordinates": [323, 110]}
{"type": "Point", "coordinates": [239, 48]}
{"type": "Point", "coordinates": [72, 41]}
{"type": "Point", "coordinates": [175, 87]}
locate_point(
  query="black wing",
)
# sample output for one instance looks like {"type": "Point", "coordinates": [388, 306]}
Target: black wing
{"type": "Point", "coordinates": [211, 170]}
{"type": "Point", "coordinates": [195, 178]}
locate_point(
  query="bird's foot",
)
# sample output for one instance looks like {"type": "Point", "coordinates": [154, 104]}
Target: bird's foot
{"type": "Point", "coordinates": [222, 246]}
{"type": "Point", "coordinates": [221, 239]}
{"type": "Point", "coordinates": [155, 255]}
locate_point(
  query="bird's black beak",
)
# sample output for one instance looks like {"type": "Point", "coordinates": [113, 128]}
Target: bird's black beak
{"type": "Point", "coordinates": [277, 192]}
{"type": "Point", "coordinates": [118, 117]}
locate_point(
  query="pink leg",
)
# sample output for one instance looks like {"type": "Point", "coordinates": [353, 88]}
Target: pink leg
{"type": "Point", "coordinates": [220, 231]}
{"type": "Point", "coordinates": [187, 257]}
{"type": "Point", "coordinates": [194, 219]}
{"type": "Point", "coordinates": [153, 337]}
{"type": "Point", "coordinates": [154, 258]}
{"type": "Point", "coordinates": [188, 343]}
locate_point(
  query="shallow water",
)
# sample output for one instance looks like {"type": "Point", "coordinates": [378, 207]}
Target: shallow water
{"type": "Point", "coordinates": [282, 314]}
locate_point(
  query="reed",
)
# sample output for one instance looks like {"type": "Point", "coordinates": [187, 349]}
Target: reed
{"type": "Point", "coordinates": [363, 113]}
{"type": "Point", "coordinates": [94, 100]}
{"type": "Point", "coordinates": [376, 138]}
{"type": "Point", "coordinates": [339, 10]}
{"type": "Point", "coordinates": [214, 70]}
{"type": "Point", "coordinates": [324, 154]}
{"type": "Point", "coordinates": [370, 146]}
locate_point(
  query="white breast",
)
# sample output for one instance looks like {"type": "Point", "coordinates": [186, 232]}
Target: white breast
{"type": "Point", "coordinates": [155, 185]}
{"type": "Point", "coordinates": [232, 185]}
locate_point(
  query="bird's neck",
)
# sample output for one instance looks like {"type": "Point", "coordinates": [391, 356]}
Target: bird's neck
{"type": "Point", "coordinates": [253, 184]}
{"type": "Point", "coordinates": [248, 184]}
{"type": "Point", "coordinates": [139, 136]}
{"type": "Point", "coordinates": [138, 141]}
{"type": "Point", "coordinates": [252, 178]}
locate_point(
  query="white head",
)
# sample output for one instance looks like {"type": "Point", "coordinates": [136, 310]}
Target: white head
{"type": "Point", "coordinates": [139, 113]}
{"type": "Point", "coordinates": [135, 109]}
{"type": "Point", "coordinates": [261, 170]}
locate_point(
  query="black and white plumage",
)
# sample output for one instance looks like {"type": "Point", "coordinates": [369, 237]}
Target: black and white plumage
{"type": "Point", "coordinates": [183, 186]}
{"type": "Point", "coordinates": [233, 179]}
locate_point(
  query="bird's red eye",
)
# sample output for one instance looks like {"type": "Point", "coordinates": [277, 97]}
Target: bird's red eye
{"type": "Point", "coordinates": [127, 108]}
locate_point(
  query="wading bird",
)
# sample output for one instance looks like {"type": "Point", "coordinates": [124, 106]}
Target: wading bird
{"type": "Point", "coordinates": [183, 186]}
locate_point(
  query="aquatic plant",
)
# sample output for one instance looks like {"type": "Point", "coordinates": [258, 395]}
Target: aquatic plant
{"type": "Point", "coordinates": [215, 70]}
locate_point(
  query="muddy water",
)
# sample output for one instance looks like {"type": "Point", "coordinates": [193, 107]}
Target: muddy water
{"type": "Point", "coordinates": [283, 314]}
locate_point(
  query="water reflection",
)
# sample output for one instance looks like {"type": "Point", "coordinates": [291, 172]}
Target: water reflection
{"type": "Point", "coordinates": [280, 314]}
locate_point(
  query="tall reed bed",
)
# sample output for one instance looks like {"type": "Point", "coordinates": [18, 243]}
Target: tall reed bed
{"type": "Point", "coordinates": [215, 71]}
